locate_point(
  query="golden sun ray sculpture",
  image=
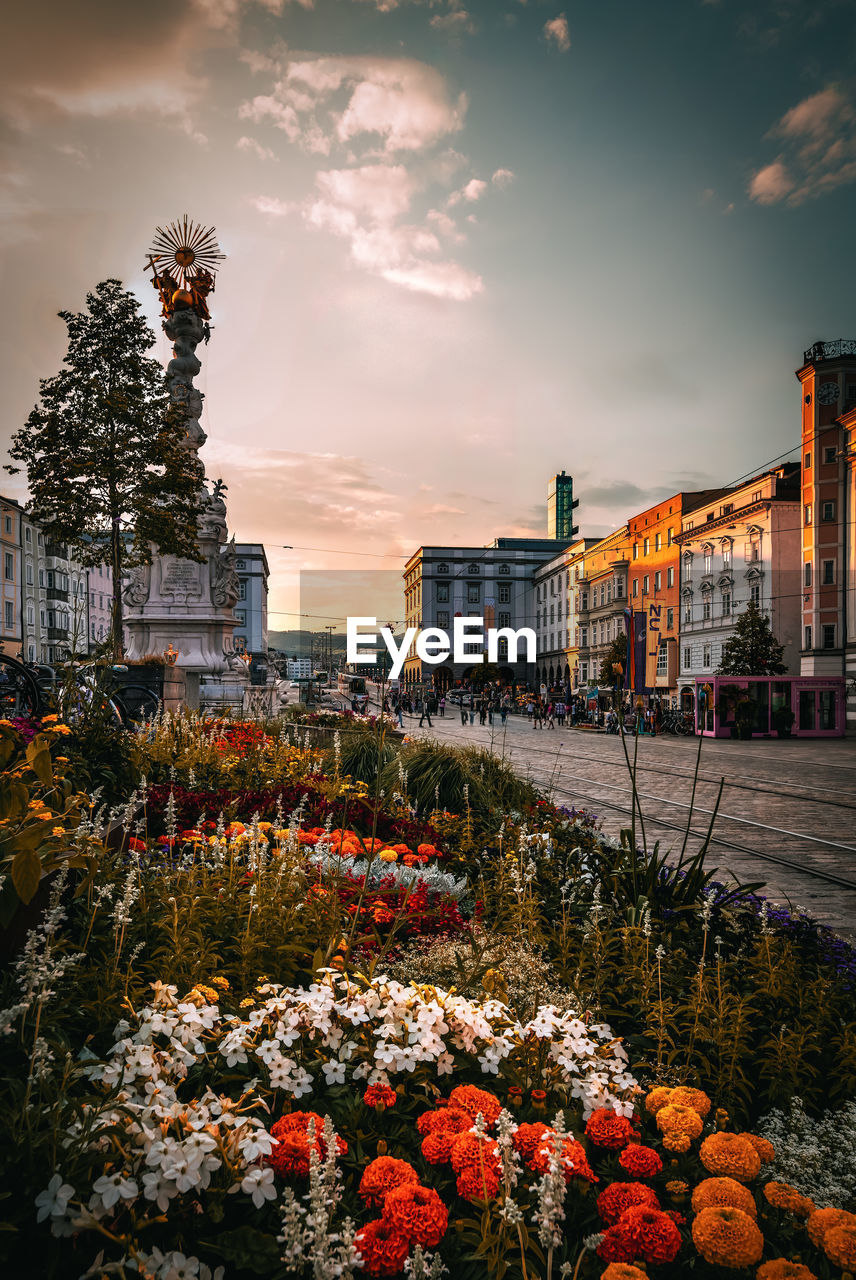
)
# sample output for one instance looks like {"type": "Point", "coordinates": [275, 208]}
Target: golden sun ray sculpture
{"type": "Point", "coordinates": [183, 260]}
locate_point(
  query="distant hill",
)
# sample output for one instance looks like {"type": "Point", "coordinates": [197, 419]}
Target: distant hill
{"type": "Point", "coordinates": [299, 644]}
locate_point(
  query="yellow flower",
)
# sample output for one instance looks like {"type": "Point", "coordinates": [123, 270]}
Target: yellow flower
{"type": "Point", "coordinates": [388, 855]}
{"type": "Point", "coordinates": [7, 724]}
{"type": "Point", "coordinates": [58, 831]}
{"type": "Point", "coordinates": [62, 759]}
{"type": "Point", "coordinates": [246, 1003]}
{"type": "Point", "coordinates": [51, 719]}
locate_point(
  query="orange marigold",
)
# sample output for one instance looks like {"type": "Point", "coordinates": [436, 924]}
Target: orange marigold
{"type": "Point", "coordinates": [473, 1100]}
{"type": "Point", "coordinates": [573, 1159]}
{"type": "Point", "coordinates": [783, 1269]}
{"type": "Point", "coordinates": [727, 1237]}
{"type": "Point", "coordinates": [783, 1196]}
{"type": "Point", "coordinates": [444, 1119]}
{"type": "Point", "coordinates": [677, 1187]}
{"type": "Point", "coordinates": [822, 1220]}
{"type": "Point", "coordinates": [528, 1138]}
{"type": "Point", "coordinates": [471, 1151]}
{"type": "Point", "coordinates": [418, 1213]}
{"type": "Point", "coordinates": [674, 1117]}
{"type": "Point", "coordinates": [677, 1141]}
{"type": "Point", "coordinates": [623, 1271]}
{"type": "Point", "coordinates": [763, 1146]}
{"type": "Point", "coordinates": [731, 1156]}
{"type": "Point", "coordinates": [618, 1197]}
{"type": "Point", "coordinates": [719, 1191]}
{"type": "Point", "coordinates": [382, 1175]}
{"type": "Point", "coordinates": [656, 1099]}
{"type": "Point", "coordinates": [475, 1184]}
{"type": "Point", "coordinates": [383, 1249]}
{"type": "Point", "coordinates": [639, 1161]}
{"type": "Point", "coordinates": [380, 1093]}
{"type": "Point", "coordinates": [695, 1098]}
{"type": "Point", "coordinates": [606, 1128]}
{"type": "Point", "coordinates": [839, 1245]}
{"type": "Point", "coordinates": [641, 1232]}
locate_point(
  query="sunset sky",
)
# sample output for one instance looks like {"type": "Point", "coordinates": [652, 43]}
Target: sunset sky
{"type": "Point", "coordinates": [469, 244]}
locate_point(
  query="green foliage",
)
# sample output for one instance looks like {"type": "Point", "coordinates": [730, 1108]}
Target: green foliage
{"type": "Point", "coordinates": [753, 650]}
{"type": "Point", "coordinates": [364, 751]}
{"type": "Point", "coordinates": [103, 450]}
{"type": "Point", "coordinates": [613, 664]}
{"type": "Point", "coordinates": [447, 777]}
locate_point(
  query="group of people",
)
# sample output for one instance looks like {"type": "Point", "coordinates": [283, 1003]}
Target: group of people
{"type": "Point", "coordinates": [545, 712]}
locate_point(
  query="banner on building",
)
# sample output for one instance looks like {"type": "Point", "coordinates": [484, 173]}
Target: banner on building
{"type": "Point", "coordinates": [640, 646]}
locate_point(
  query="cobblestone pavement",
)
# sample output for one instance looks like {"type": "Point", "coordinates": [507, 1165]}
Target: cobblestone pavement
{"type": "Point", "coordinates": [787, 815]}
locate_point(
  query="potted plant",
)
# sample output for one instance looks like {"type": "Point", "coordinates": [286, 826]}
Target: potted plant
{"type": "Point", "coordinates": [783, 721]}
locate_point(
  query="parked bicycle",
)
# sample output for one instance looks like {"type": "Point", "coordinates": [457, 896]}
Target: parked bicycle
{"type": "Point", "coordinates": [33, 690]}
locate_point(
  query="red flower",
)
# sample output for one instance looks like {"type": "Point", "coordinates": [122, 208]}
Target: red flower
{"type": "Point", "coordinates": [136, 846]}
{"type": "Point", "coordinates": [474, 1100]}
{"type": "Point", "coordinates": [618, 1197]}
{"type": "Point", "coordinates": [444, 1120]}
{"type": "Point", "coordinates": [639, 1161]}
{"type": "Point", "coordinates": [382, 1248]}
{"type": "Point", "coordinates": [437, 1146]}
{"type": "Point", "coordinates": [469, 1150]}
{"type": "Point", "coordinates": [290, 1156]}
{"type": "Point", "coordinates": [417, 1213]}
{"type": "Point", "coordinates": [475, 1184]}
{"type": "Point", "coordinates": [606, 1128]}
{"type": "Point", "coordinates": [574, 1160]}
{"type": "Point", "coordinates": [380, 1093]}
{"type": "Point", "coordinates": [641, 1232]}
{"type": "Point", "coordinates": [529, 1137]}
{"type": "Point", "coordinates": [382, 1176]}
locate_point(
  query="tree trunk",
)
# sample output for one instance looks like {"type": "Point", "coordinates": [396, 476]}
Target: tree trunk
{"type": "Point", "coordinates": [117, 625]}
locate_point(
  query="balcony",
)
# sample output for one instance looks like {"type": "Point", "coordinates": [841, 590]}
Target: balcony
{"type": "Point", "coordinates": [830, 350]}
{"type": "Point", "coordinates": [56, 593]}
{"type": "Point", "coordinates": [58, 550]}
{"type": "Point", "coordinates": [57, 633]}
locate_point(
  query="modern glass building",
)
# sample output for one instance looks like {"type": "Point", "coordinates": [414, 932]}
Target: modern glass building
{"type": "Point", "coordinates": [560, 508]}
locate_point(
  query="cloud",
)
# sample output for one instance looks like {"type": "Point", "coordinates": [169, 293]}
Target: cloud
{"type": "Point", "coordinates": [557, 31]}
{"type": "Point", "coordinates": [456, 21]}
{"type": "Point", "coordinates": [271, 206]}
{"type": "Point", "coordinates": [503, 178]}
{"type": "Point", "coordinates": [389, 118]}
{"type": "Point", "coordinates": [403, 103]}
{"type": "Point", "coordinates": [818, 139]}
{"type": "Point", "coordinates": [255, 148]}
{"type": "Point", "coordinates": [472, 191]}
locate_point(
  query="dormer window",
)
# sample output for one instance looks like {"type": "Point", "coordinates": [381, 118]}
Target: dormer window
{"type": "Point", "coordinates": [442, 568]}
{"type": "Point", "coordinates": [473, 568]}
{"type": "Point", "coordinates": [504, 569]}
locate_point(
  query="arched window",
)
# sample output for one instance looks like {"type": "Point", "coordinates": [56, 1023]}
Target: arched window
{"type": "Point", "coordinates": [442, 568]}
{"type": "Point", "coordinates": [473, 568]}
{"type": "Point", "coordinates": [504, 569]}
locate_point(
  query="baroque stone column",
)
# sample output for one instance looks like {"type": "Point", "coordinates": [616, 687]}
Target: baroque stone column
{"type": "Point", "coordinates": [182, 603]}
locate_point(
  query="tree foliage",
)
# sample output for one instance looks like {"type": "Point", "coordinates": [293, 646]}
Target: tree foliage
{"type": "Point", "coordinates": [103, 450]}
{"type": "Point", "coordinates": [615, 656]}
{"type": "Point", "coordinates": [753, 650]}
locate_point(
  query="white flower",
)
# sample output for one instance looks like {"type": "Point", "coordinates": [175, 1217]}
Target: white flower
{"type": "Point", "coordinates": [53, 1201]}
{"type": "Point", "coordinates": [258, 1183]}
{"type": "Point", "coordinates": [334, 1072]}
{"type": "Point", "coordinates": [109, 1189]}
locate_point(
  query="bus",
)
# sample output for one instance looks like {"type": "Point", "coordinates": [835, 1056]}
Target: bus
{"type": "Point", "coordinates": [353, 689]}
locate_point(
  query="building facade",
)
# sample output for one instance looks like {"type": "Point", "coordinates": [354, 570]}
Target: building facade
{"type": "Point", "coordinates": [494, 583]}
{"type": "Point", "coordinates": [11, 576]}
{"type": "Point", "coordinates": [601, 601]}
{"type": "Point", "coordinates": [251, 608]}
{"type": "Point", "coordinates": [743, 548]}
{"type": "Point", "coordinates": [827, 379]}
{"type": "Point", "coordinates": [848, 426]}
{"type": "Point", "coordinates": [556, 621]}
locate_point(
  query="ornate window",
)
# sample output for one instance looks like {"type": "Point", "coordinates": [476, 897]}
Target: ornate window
{"type": "Point", "coordinates": [473, 568]}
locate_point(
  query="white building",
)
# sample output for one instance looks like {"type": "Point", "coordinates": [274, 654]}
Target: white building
{"type": "Point", "coordinates": [746, 548]}
{"type": "Point", "coordinates": [494, 583]}
{"type": "Point", "coordinates": [556, 618]}
{"type": "Point", "coordinates": [299, 668]}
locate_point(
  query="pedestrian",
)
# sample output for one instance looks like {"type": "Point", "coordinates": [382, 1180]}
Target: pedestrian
{"type": "Point", "coordinates": [503, 711]}
{"type": "Point", "coordinates": [551, 717]}
{"type": "Point", "coordinates": [530, 709]}
{"type": "Point", "coordinates": [426, 711]}
{"type": "Point", "coordinates": [398, 712]}
{"type": "Point", "coordinates": [536, 714]}
{"type": "Point", "coordinates": [463, 712]}
{"type": "Point", "coordinates": [560, 713]}
{"type": "Point", "coordinates": [482, 711]}
{"type": "Point", "coordinates": [443, 707]}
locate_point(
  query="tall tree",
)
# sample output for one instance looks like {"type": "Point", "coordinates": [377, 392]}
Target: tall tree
{"type": "Point", "coordinates": [753, 650]}
{"type": "Point", "coordinates": [104, 452]}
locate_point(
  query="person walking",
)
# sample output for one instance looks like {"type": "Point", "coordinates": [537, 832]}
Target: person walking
{"type": "Point", "coordinates": [398, 712]}
{"type": "Point", "coordinates": [426, 711]}
{"type": "Point", "coordinates": [472, 709]}
{"type": "Point", "coordinates": [463, 712]}
{"type": "Point", "coordinates": [443, 707]}
{"type": "Point", "coordinates": [536, 714]}
{"type": "Point", "coordinates": [551, 716]}
{"type": "Point", "coordinates": [530, 709]}
{"type": "Point", "coordinates": [560, 714]}
{"type": "Point", "coordinates": [503, 711]}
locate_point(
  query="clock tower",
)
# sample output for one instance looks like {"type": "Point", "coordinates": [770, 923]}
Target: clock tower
{"type": "Point", "coordinates": [828, 385]}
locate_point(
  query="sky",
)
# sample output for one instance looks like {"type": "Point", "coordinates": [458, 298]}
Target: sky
{"type": "Point", "coordinates": [468, 244]}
